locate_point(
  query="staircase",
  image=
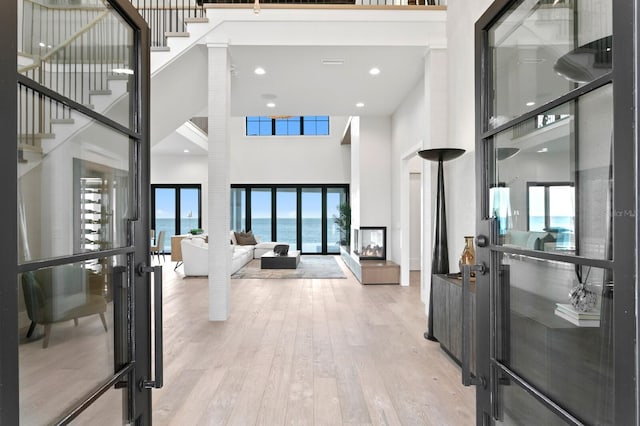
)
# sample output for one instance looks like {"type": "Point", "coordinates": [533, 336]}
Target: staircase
{"type": "Point", "coordinates": [85, 57]}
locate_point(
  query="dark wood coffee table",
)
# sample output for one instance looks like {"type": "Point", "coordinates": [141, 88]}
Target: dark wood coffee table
{"type": "Point", "coordinates": [270, 260]}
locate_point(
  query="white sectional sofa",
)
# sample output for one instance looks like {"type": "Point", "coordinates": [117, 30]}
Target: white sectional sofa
{"type": "Point", "coordinates": [195, 254]}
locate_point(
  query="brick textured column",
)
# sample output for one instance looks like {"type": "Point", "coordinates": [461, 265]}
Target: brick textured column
{"type": "Point", "coordinates": [219, 192]}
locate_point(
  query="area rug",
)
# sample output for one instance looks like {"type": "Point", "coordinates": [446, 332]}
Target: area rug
{"type": "Point", "coordinates": [308, 268]}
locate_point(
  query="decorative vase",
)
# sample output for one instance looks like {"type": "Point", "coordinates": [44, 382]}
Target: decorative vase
{"type": "Point", "coordinates": [468, 256]}
{"type": "Point", "coordinates": [583, 299]}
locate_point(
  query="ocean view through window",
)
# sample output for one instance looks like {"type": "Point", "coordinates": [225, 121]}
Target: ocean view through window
{"type": "Point", "coordinates": [302, 216]}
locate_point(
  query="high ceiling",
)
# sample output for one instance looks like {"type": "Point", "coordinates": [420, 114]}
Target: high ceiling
{"type": "Point", "coordinates": [318, 62]}
{"type": "Point", "coordinates": [323, 80]}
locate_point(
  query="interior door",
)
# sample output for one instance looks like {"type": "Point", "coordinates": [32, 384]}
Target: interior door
{"type": "Point", "coordinates": [555, 284]}
{"type": "Point", "coordinates": [77, 286]}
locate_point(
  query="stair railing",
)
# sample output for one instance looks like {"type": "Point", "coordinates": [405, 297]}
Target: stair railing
{"type": "Point", "coordinates": [77, 67]}
{"type": "Point", "coordinates": [167, 17]}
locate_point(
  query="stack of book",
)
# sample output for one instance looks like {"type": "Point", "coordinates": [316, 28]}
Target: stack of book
{"type": "Point", "coordinates": [581, 319]}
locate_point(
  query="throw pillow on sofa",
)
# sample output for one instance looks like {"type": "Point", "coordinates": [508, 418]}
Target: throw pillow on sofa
{"type": "Point", "coordinates": [245, 238]}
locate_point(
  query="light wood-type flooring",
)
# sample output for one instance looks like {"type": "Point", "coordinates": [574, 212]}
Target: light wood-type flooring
{"type": "Point", "coordinates": [305, 352]}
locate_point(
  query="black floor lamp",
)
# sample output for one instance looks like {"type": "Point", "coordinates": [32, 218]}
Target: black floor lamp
{"type": "Point", "coordinates": [440, 261]}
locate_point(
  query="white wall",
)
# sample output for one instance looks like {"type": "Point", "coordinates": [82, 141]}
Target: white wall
{"type": "Point", "coordinates": [375, 172]}
{"type": "Point", "coordinates": [290, 159]}
{"type": "Point", "coordinates": [407, 133]}
{"type": "Point", "coordinates": [460, 173]}
{"type": "Point", "coordinates": [415, 221]}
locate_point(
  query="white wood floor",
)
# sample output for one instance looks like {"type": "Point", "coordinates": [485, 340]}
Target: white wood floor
{"type": "Point", "coordinates": [305, 352]}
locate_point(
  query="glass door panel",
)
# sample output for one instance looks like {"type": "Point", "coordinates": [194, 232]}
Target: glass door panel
{"type": "Point", "coordinates": [336, 236]}
{"type": "Point", "coordinates": [311, 220]}
{"type": "Point", "coordinates": [261, 213]}
{"type": "Point", "coordinates": [558, 178]}
{"type": "Point", "coordinates": [287, 216]}
{"type": "Point", "coordinates": [165, 214]}
{"type": "Point", "coordinates": [189, 209]}
{"type": "Point", "coordinates": [521, 409]}
{"type": "Point", "coordinates": [561, 345]}
{"type": "Point", "coordinates": [76, 198]}
{"type": "Point", "coordinates": [238, 209]}
{"type": "Point", "coordinates": [67, 324]}
{"type": "Point", "coordinates": [543, 50]}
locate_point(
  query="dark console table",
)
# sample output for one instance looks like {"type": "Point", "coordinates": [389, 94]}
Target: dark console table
{"type": "Point", "coordinates": [447, 316]}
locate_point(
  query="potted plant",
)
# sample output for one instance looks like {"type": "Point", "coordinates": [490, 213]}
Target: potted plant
{"type": "Point", "coordinates": [196, 231]}
{"type": "Point", "coordinates": [343, 221]}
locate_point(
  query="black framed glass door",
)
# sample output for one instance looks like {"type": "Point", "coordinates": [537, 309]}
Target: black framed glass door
{"type": "Point", "coordinates": [555, 295]}
{"type": "Point", "coordinates": [304, 216]}
{"type": "Point", "coordinates": [76, 299]}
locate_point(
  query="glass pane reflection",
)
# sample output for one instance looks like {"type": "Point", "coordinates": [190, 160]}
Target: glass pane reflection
{"type": "Point", "coordinates": [543, 49]}
{"type": "Point", "coordinates": [552, 184]}
{"type": "Point", "coordinates": [66, 328]}
{"type": "Point", "coordinates": [74, 191]}
{"type": "Point", "coordinates": [86, 56]}
{"type": "Point", "coordinates": [563, 351]}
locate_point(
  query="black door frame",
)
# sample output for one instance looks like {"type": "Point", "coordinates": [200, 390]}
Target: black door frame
{"type": "Point", "coordinates": [625, 206]}
{"type": "Point", "coordinates": [137, 249]}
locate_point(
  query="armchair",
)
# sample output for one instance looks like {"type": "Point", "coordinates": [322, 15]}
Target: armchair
{"type": "Point", "coordinates": [48, 304]}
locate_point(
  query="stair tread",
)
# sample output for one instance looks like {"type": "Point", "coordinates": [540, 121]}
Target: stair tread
{"type": "Point", "coordinates": [100, 92]}
{"type": "Point", "coordinates": [160, 48]}
{"type": "Point", "coordinates": [118, 76]}
{"type": "Point", "coordinates": [36, 136]}
{"type": "Point", "coordinates": [196, 20]}
{"type": "Point", "coordinates": [30, 148]}
{"type": "Point", "coordinates": [62, 121]}
{"type": "Point", "coordinates": [176, 34]}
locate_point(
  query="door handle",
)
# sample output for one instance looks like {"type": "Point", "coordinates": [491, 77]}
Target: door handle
{"type": "Point", "coordinates": [468, 378]}
{"type": "Point", "coordinates": [157, 383]}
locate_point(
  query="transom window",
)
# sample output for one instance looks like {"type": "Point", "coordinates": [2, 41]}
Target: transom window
{"type": "Point", "coordinates": [308, 125]}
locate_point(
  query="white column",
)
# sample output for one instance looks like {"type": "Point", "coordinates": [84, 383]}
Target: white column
{"type": "Point", "coordinates": [219, 188]}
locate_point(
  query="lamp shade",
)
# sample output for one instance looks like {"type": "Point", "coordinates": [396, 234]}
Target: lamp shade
{"type": "Point", "coordinates": [441, 154]}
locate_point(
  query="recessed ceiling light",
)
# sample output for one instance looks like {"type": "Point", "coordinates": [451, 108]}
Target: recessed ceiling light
{"type": "Point", "coordinates": [543, 150]}
{"type": "Point", "coordinates": [259, 71]}
{"type": "Point", "coordinates": [186, 151]}
{"type": "Point", "coordinates": [530, 103]}
{"type": "Point", "coordinates": [41, 44]}
{"type": "Point", "coordinates": [334, 61]}
{"type": "Point", "coordinates": [374, 71]}
{"type": "Point", "coordinates": [271, 105]}
{"type": "Point", "coordinates": [360, 104]}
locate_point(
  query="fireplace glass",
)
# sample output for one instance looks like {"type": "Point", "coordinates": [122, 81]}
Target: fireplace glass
{"type": "Point", "coordinates": [370, 242]}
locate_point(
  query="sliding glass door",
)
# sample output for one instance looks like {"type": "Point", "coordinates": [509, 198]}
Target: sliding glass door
{"type": "Point", "coordinates": [336, 197]}
{"type": "Point", "coordinates": [303, 216]}
{"type": "Point", "coordinates": [260, 219]}
{"type": "Point", "coordinates": [286, 216]}
{"type": "Point", "coordinates": [176, 210]}
{"type": "Point", "coordinates": [311, 223]}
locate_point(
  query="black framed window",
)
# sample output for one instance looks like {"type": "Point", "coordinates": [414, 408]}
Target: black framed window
{"type": "Point", "coordinates": [551, 205]}
{"type": "Point", "coordinates": [175, 209]}
{"type": "Point", "coordinates": [310, 125]}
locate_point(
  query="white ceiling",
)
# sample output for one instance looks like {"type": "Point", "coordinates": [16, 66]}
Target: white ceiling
{"type": "Point", "coordinates": [298, 82]}
{"type": "Point", "coordinates": [292, 44]}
